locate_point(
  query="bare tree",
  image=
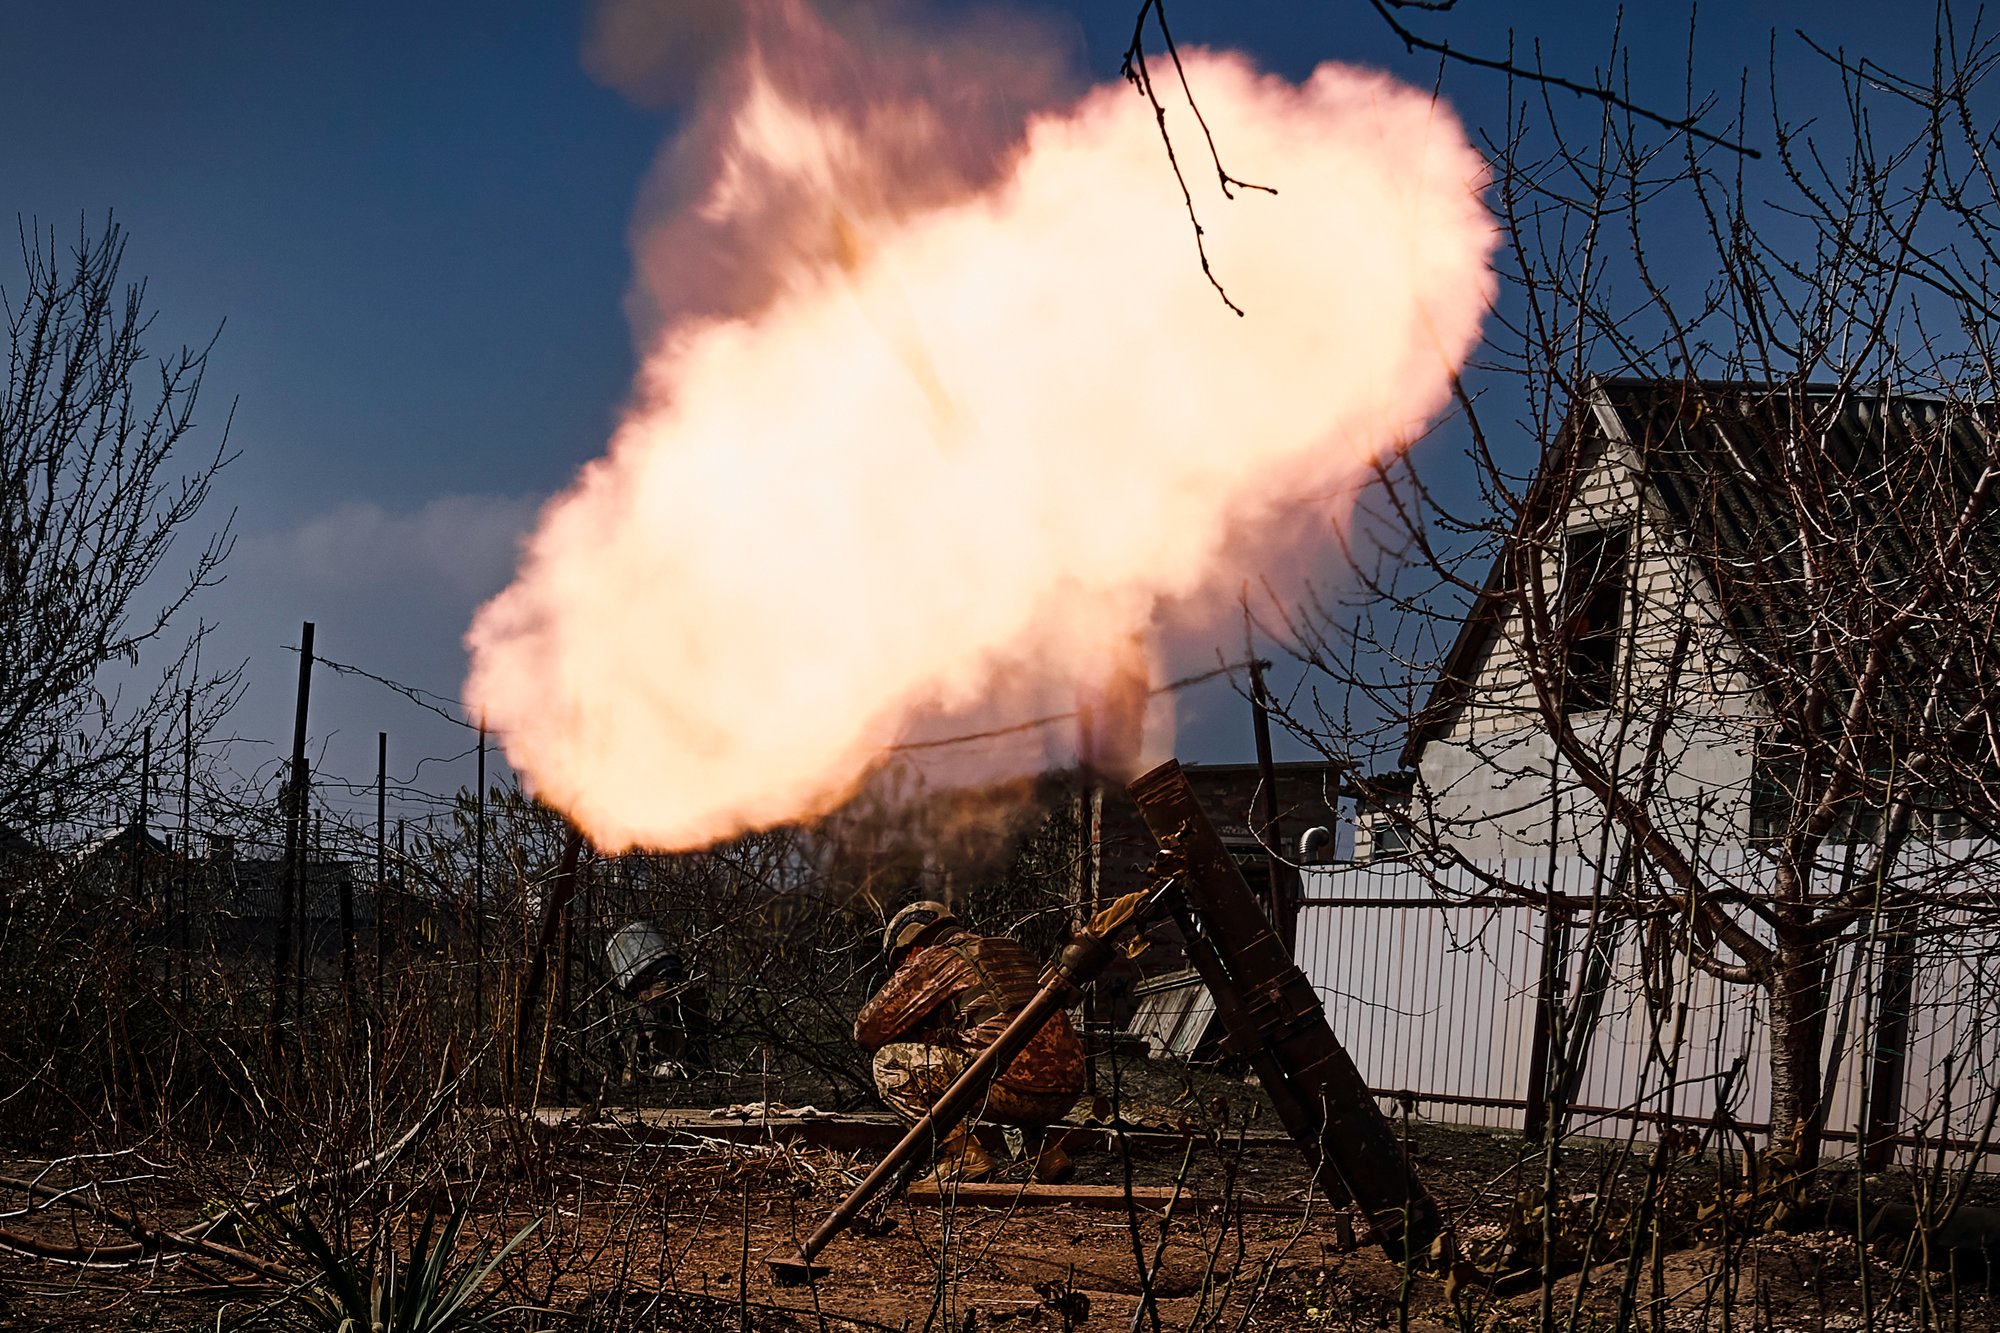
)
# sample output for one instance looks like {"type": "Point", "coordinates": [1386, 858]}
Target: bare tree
{"type": "Point", "coordinates": [1726, 627]}
{"type": "Point", "coordinates": [96, 485]}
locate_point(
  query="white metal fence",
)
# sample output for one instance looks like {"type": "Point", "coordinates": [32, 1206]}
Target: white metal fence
{"type": "Point", "coordinates": [1434, 981]}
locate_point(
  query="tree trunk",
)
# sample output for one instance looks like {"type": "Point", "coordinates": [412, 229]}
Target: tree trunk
{"type": "Point", "coordinates": [1798, 1030]}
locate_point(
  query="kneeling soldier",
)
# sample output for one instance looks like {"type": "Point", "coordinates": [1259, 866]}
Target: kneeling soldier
{"type": "Point", "coordinates": [950, 994]}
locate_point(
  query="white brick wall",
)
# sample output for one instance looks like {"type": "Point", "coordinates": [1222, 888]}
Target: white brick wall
{"type": "Point", "coordinates": [1490, 785]}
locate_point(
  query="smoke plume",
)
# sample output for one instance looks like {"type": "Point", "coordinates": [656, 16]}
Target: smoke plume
{"type": "Point", "coordinates": [938, 414]}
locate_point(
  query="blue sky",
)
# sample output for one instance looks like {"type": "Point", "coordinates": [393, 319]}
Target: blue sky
{"type": "Point", "coordinates": [413, 220]}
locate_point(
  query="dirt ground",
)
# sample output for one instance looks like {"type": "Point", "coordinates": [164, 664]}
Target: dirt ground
{"type": "Point", "coordinates": [646, 1232]}
{"type": "Point", "coordinates": [936, 1267]}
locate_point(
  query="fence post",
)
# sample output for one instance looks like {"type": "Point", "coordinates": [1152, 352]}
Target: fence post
{"type": "Point", "coordinates": [135, 851]}
{"type": "Point", "coordinates": [1089, 797]}
{"type": "Point", "coordinates": [187, 845]}
{"type": "Point", "coordinates": [381, 862]}
{"type": "Point", "coordinates": [1890, 1056]}
{"type": "Point", "coordinates": [1284, 888]}
{"type": "Point", "coordinates": [1548, 995]}
{"type": "Point", "coordinates": [479, 895]}
{"type": "Point", "coordinates": [289, 893]}
{"type": "Point", "coordinates": [349, 986]}
{"type": "Point", "coordinates": [555, 923]}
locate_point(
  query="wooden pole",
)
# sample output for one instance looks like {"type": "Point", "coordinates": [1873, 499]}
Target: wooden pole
{"type": "Point", "coordinates": [288, 892]}
{"type": "Point", "coordinates": [555, 916]}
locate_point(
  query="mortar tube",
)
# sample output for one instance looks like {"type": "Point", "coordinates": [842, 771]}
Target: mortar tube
{"type": "Point", "coordinates": [1082, 959]}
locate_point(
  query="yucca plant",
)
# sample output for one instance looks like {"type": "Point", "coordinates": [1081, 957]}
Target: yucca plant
{"type": "Point", "coordinates": [427, 1291]}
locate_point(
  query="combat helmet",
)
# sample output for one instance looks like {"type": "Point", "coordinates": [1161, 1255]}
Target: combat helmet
{"type": "Point", "coordinates": [912, 921]}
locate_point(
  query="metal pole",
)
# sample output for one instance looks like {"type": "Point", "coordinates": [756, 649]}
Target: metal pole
{"type": "Point", "coordinates": [564, 946]}
{"type": "Point", "coordinates": [187, 842]}
{"type": "Point", "coordinates": [1890, 1051]}
{"type": "Point", "coordinates": [1283, 914]}
{"type": "Point", "coordinates": [309, 845]}
{"type": "Point", "coordinates": [479, 894]}
{"type": "Point", "coordinates": [288, 892]}
{"type": "Point", "coordinates": [348, 986]}
{"type": "Point", "coordinates": [137, 849]}
{"type": "Point", "coordinates": [1541, 1044]}
{"type": "Point", "coordinates": [402, 889]}
{"type": "Point", "coordinates": [381, 858]}
{"type": "Point", "coordinates": [1086, 752]}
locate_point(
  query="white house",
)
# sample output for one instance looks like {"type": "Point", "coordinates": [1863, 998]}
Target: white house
{"type": "Point", "coordinates": [1653, 552]}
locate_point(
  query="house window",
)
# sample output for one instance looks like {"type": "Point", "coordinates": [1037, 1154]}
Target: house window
{"type": "Point", "coordinates": [1592, 606]}
{"type": "Point", "coordinates": [1386, 840]}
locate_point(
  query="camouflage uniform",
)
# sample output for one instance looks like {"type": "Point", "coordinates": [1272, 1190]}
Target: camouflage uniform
{"type": "Point", "coordinates": [942, 1007]}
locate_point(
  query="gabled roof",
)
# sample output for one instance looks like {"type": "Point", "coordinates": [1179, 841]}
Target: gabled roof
{"type": "Point", "coordinates": [121, 841]}
{"type": "Point", "coordinates": [1887, 475]}
{"type": "Point", "coordinates": [1712, 456]}
{"type": "Point", "coordinates": [257, 888]}
{"type": "Point", "coordinates": [1572, 453]}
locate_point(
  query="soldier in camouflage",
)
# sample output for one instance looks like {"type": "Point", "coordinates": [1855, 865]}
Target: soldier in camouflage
{"type": "Point", "coordinates": [951, 993]}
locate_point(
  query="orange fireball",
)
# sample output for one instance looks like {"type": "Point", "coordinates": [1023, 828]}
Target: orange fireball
{"type": "Point", "coordinates": [970, 447]}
